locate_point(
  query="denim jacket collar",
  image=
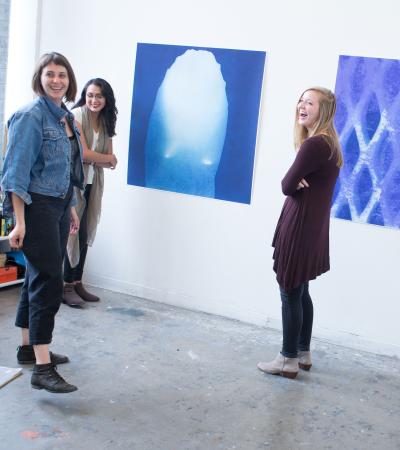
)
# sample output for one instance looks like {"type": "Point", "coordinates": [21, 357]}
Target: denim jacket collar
{"type": "Point", "coordinates": [57, 111]}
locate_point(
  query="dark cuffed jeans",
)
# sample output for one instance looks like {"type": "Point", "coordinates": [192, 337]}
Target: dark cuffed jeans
{"type": "Point", "coordinates": [297, 320]}
{"type": "Point", "coordinates": [47, 222]}
{"type": "Point", "coordinates": [72, 274]}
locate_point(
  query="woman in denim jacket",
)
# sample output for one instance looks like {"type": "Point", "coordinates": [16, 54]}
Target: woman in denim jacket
{"type": "Point", "coordinates": [42, 165]}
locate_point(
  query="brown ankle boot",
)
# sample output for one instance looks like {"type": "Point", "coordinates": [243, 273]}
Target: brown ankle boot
{"type": "Point", "coordinates": [83, 293]}
{"type": "Point", "coordinates": [304, 360]}
{"type": "Point", "coordinates": [70, 297]}
{"type": "Point", "coordinates": [281, 365]}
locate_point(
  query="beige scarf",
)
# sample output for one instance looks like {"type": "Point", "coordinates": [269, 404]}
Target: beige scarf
{"type": "Point", "coordinates": [96, 193]}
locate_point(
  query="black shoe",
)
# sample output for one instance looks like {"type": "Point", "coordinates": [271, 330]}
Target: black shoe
{"type": "Point", "coordinates": [26, 355]}
{"type": "Point", "coordinates": [45, 376]}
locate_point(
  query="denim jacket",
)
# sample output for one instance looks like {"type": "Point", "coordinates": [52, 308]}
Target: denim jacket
{"type": "Point", "coordinates": [39, 152]}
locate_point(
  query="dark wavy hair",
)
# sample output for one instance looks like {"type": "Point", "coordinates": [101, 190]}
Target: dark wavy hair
{"type": "Point", "coordinates": [59, 60]}
{"type": "Point", "coordinates": [109, 113]}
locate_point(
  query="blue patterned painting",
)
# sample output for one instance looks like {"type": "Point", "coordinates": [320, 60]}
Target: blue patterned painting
{"type": "Point", "coordinates": [368, 123]}
{"type": "Point", "coordinates": [194, 120]}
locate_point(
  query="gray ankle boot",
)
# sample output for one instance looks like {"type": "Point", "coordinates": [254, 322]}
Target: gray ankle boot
{"type": "Point", "coordinates": [305, 360]}
{"type": "Point", "coordinates": [286, 367]}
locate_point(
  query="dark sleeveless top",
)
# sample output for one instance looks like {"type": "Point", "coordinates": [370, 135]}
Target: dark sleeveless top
{"type": "Point", "coordinates": [301, 238]}
{"type": "Point", "coordinates": [75, 162]}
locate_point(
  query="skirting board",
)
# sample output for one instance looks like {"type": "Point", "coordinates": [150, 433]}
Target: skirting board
{"type": "Point", "coordinates": [212, 306]}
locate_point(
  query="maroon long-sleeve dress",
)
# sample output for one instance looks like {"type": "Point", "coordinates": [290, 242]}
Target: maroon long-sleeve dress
{"type": "Point", "coordinates": [301, 238]}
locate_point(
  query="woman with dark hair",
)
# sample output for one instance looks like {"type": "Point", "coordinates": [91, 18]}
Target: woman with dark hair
{"type": "Point", "coordinates": [301, 238]}
{"type": "Point", "coordinates": [42, 166]}
{"type": "Point", "coordinates": [95, 114]}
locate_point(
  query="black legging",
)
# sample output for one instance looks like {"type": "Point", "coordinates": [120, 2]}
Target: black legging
{"type": "Point", "coordinates": [72, 274]}
{"type": "Point", "coordinates": [297, 320]}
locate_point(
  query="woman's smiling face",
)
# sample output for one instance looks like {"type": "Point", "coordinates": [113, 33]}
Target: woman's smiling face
{"type": "Point", "coordinates": [308, 109]}
{"type": "Point", "coordinates": [55, 82]}
{"type": "Point", "coordinates": [95, 100]}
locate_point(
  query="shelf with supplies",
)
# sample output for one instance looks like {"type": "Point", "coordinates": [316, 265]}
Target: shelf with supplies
{"type": "Point", "coordinates": [11, 283]}
{"type": "Point", "coordinates": [12, 264]}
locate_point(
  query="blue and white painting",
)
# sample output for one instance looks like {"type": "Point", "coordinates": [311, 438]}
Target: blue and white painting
{"type": "Point", "coordinates": [368, 123]}
{"type": "Point", "coordinates": [194, 120]}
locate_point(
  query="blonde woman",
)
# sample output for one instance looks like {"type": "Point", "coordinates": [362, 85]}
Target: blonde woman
{"type": "Point", "coordinates": [301, 239]}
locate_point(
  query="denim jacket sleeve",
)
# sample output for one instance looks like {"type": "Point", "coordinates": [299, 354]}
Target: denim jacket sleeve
{"type": "Point", "coordinates": [25, 140]}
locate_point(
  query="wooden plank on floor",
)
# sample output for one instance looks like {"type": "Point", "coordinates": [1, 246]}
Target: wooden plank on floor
{"type": "Point", "coordinates": [8, 374]}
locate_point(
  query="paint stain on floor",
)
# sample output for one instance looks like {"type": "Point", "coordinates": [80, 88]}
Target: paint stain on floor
{"type": "Point", "coordinates": [126, 311]}
{"type": "Point", "coordinates": [51, 433]}
{"type": "Point", "coordinates": [28, 434]}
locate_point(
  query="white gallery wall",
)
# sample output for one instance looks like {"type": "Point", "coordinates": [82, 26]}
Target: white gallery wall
{"type": "Point", "coordinates": [212, 255]}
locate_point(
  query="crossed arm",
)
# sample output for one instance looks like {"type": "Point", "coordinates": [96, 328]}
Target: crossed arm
{"type": "Point", "coordinates": [107, 160]}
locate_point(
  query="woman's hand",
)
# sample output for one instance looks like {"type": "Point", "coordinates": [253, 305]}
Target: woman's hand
{"type": "Point", "coordinates": [17, 235]}
{"type": "Point", "coordinates": [109, 163]}
{"type": "Point", "coordinates": [74, 227]}
{"type": "Point", "coordinates": [303, 183]}
{"type": "Point", "coordinates": [113, 161]}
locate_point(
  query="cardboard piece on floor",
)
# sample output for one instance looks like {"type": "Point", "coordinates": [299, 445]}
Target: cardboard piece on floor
{"type": "Point", "coordinates": [8, 374]}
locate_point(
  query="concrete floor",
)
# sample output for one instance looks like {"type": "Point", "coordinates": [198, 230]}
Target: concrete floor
{"type": "Point", "coordinates": [154, 377]}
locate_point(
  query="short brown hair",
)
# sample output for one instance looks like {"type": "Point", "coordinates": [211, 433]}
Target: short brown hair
{"type": "Point", "coordinates": [60, 60]}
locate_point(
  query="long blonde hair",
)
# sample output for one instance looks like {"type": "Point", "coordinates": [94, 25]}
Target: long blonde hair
{"type": "Point", "coordinates": [324, 125]}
